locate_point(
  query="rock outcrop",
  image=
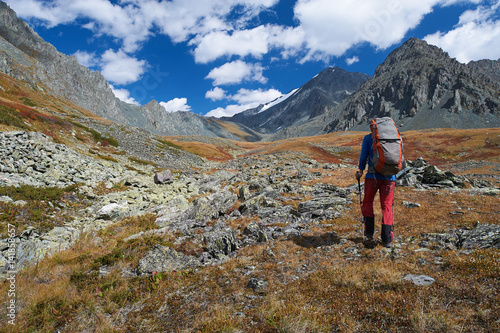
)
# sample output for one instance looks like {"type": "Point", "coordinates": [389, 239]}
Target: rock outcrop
{"type": "Point", "coordinates": [420, 87]}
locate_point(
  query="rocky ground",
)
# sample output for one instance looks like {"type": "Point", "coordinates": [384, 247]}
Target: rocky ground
{"type": "Point", "coordinates": [219, 209]}
{"type": "Point", "coordinates": [196, 204]}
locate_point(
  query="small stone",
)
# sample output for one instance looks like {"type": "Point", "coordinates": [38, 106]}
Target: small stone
{"type": "Point", "coordinates": [419, 280]}
{"type": "Point", "coordinates": [256, 284]}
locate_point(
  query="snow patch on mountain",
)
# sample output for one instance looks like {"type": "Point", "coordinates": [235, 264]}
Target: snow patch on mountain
{"type": "Point", "coordinates": [279, 100]}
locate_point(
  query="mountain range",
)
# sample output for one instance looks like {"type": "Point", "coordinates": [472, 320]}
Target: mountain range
{"type": "Point", "coordinates": [418, 85]}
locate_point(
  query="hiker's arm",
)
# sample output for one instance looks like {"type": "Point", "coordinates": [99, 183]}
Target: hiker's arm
{"type": "Point", "coordinates": [365, 150]}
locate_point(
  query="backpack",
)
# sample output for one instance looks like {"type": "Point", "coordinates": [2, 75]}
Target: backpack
{"type": "Point", "coordinates": [387, 146]}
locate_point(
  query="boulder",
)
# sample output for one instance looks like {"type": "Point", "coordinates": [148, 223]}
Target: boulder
{"type": "Point", "coordinates": [220, 243]}
{"type": "Point", "coordinates": [163, 177]}
{"type": "Point", "coordinates": [112, 212]}
{"type": "Point", "coordinates": [484, 236]}
{"type": "Point", "coordinates": [257, 284]}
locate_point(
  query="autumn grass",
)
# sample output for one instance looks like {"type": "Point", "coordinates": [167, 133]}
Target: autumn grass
{"type": "Point", "coordinates": [314, 285]}
{"type": "Point", "coordinates": [311, 285]}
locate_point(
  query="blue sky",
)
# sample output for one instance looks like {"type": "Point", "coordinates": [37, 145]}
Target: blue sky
{"type": "Point", "coordinates": [220, 57]}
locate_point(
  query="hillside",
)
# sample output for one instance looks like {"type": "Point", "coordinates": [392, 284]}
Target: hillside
{"type": "Point", "coordinates": [40, 67]}
{"type": "Point", "coordinates": [266, 237]}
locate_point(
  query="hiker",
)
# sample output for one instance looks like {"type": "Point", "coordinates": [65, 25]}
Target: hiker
{"type": "Point", "coordinates": [383, 181]}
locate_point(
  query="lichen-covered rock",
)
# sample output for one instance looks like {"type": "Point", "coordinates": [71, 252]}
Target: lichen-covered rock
{"type": "Point", "coordinates": [165, 259]}
{"type": "Point", "coordinates": [482, 236]}
{"type": "Point", "coordinates": [220, 243]}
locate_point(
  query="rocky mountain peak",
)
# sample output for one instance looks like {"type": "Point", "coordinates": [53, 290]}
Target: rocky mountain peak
{"type": "Point", "coordinates": [411, 51]}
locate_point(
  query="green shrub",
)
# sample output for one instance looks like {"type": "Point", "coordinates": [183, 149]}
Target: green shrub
{"type": "Point", "coordinates": [168, 144]}
{"type": "Point", "coordinates": [9, 117]}
{"type": "Point", "coordinates": [28, 102]}
{"type": "Point", "coordinates": [142, 162]}
{"type": "Point", "coordinates": [28, 192]}
{"type": "Point", "coordinates": [108, 158]}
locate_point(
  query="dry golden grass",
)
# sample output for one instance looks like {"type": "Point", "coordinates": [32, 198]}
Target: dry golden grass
{"type": "Point", "coordinates": [311, 285]}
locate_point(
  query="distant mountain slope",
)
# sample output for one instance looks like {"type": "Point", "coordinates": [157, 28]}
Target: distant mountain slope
{"type": "Point", "coordinates": [420, 87]}
{"type": "Point", "coordinates": [313, 99]}
{"type": "Point", "coordinates": [24, 55]}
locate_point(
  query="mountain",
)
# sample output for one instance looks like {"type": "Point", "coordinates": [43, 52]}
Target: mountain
{"type": "Point", "coordinates": [420, 87]}
{"type": "Point", "coordinates": [313, 99]}
{"type": "Point", "coordinates": [25, 56]}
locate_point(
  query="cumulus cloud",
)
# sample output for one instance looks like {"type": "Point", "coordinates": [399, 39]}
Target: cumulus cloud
{"type": "Point", "coordinates": [87, 59]}
{"type": "Point", "coordinates": [120, 68]}
{"type": "Point", "coordinates": [351, 61]}
{"type": "Point", "coordinates": [246, 99]}
{"type": "Point", "coordinates": [216, 29]}
{"type": "Point", "coordinates": [216, 94]}
{"type": "Point", "coordinates": [176, 104]}
{"type": "Point", "coordinates": [220, 43]}
{"type": "Point", "coordinates": [126, 23]}
{"type": "Point", "coordinates": [124, 95]}
{"type": "Point", "coordinates": [334, 26]}
{"type": "Point", "coordinates": [237, 72]}
{"type": "Point", "coordinates": [475, 37]}
{"type": "Point", "coordinates": [134, 21]}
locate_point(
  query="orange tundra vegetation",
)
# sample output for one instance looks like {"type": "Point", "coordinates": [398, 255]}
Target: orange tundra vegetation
{"type": "Point", "coordinates": [314, 284]}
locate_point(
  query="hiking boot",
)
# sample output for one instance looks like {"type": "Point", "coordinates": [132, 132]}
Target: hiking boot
{"type": "Point", "coordinates": [369, 227]}
{"type": "Point", "coordinates": [387, 235]}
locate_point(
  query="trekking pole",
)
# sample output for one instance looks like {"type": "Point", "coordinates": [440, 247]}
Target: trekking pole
{"type": "Point", "coordinates": [361, 208]}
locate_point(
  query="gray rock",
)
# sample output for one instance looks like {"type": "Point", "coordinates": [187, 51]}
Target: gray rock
{"type": "Point", "coordinates": [6, 199]}
{"type": "Point", "coordinates": [419, 280]}
{"type": "Point", "coordinates": [163, 177]}
{"type": "Point", "coordinates": [244, 193]}
{"type": "Point", "coordinates": [165, 259]}
{"type": "Point", "coordinates": [220, 243]}
{"type": "Point", "coordinates": [483, 236]}
{"type": "Point", "coordinates": [408, 204]}
{"type": "Point", "coordinates": [322, 203]}
{"type": "Point", "coordinates": [257, 284]}
{"type": "Point", "coordinates": [112, 212]}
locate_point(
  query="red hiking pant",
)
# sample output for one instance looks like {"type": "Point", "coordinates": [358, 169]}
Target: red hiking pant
{"type": "Point", "coordinates": [386, 189]}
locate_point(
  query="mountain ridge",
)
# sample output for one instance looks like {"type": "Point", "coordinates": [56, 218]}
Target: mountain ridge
{"type": "Point", "coordinates": [420, 87]}
{"type": "Point", "coordinates": [314, 98]}
{"type": "Point", "coordinates": [24, 55]}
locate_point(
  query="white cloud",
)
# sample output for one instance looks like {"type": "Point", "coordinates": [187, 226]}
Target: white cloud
{"type": "Point", "coordinates": [126, 23]}
{"type": "Point", "coordinates": [220, 43]}
{"type": "Point", "coordinates": [120, 68]}
{"type": "Point", "coordinates": [124, 95]}
{"type": "Point", "coordinates": [216, 94]}
{"type": "Point", "coordinates": [475, 37]}
{"type": "Point", "coordinates": [334, 26]}
{"type": "Point", "coordinates": [351, 61]}
{"type": "Point", "coordinates": [246, 99]}
{"type": "Point", "coordinates": [87, 59]}
{"type": "Point", "coordinates": [176, 104]}
{"type": "Point", "coordinates": [259, 96]}
{"type": "Point", "coordinates": [221, 29]}
{"type": "Point", "coordinates": [236, 72]}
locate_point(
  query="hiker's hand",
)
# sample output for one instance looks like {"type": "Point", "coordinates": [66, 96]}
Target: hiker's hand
{"type": "Point", "coordinates": [359, 174]}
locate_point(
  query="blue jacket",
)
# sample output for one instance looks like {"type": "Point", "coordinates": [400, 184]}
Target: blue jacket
{"type": "Point", "coordinates": [366, 156]}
